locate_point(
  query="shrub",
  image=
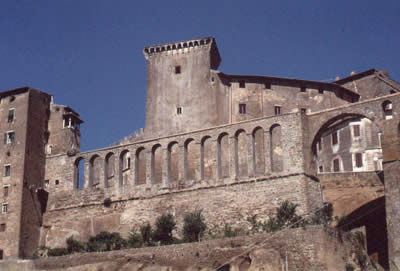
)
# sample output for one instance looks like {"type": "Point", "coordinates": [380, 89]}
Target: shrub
{"type": "Point", "coordinates": [349, 267]}
{"type": "Point", "coordinates": [230, 232]}
{"type": "Point", "coordinates": [285, 216]}
{"type": "Point", "coordinates": [193, 226]}
{"type": "Point", "coordinates": [135, 240]}
{"type": "Point", "coordinates": [146, 234]}
{"type": "Point", "coordinates": [58, 251]}
{"type": "Point", "coordinates": [165, 224]}
{"type": "Point", "coordinates": [106, 241]}
{"type": "Point", "coordinates": [74, 245]}
{"type": "Point", "coordinates": [323, 215]}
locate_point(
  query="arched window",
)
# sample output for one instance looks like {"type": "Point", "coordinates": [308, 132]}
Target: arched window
{"type": "Point", "coordinates": [156, 164]}
{"type": "Point", "coordinates": [208, 159]}
{"type": "Point", "coordinates": [241, 153]}
{"type": "Point", "coordinates": [258, 151]}
{"type": "Point", "coordinates": [140, 166]}
{"type": "Point", "coordinates": [79, 173]}
{"type": "Point", "coordinates": [109, 168]}
{"type": "Point", "coordinates": [223, 155]}
{"type": "Point", "coordinates": [387, 107]}
{"type": "Point", "coordinates": [124, 167]}
{"type": "Point", "coordinates": [191, 160]}
{"type": "Point", "coordinates": [94, 170]}
{"type": "Point", "coordinates": [173, 162]}
{"type": "Point", "coordinates": [276, 148]}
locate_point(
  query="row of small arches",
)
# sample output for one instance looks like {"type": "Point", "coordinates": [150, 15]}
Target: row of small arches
{"type": "Point", "coordinates": [208, 158]}
{"type": "Point", "coordinates": [177, 46]}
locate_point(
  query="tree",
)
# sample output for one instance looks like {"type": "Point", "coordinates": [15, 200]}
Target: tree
{"type": "Point", "coordinates": [193, 227]}
{"type": "Point", "coordinates": [165, 224]}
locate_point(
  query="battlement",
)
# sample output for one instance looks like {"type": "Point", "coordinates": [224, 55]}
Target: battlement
{"type": "Point", "coordinates": [178, 47]}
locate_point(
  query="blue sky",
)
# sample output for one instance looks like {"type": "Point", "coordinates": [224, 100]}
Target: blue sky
{"type": "Point", "coordinates": [88, 53]}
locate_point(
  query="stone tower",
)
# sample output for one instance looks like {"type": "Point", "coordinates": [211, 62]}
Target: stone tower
{"type": "Point", "coordinates": [180, 92]}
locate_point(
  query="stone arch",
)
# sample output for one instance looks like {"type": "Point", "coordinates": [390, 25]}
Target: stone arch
{"type": "Point", "coordinates": [156, 164]}
{"type": "Point", "coordinates": [241, 153]}
{"type": "Point", "coordinates": [387, 107]}
{"type": "Point", "coordinates": [124, 167]}
{"type": "Point", "coordinates": [95, 168]}
{"type": "Point", "coordinates": [191, 159]}
{"type": "Point", "coordinates": [223, 155]}
{"type": "Point", "coordinates": [173, 162]}
{"type": "Point", "coordinates": [355, 135]}
{"type": "Point", "coordinates": [207, 158]}
{"type": "Point", "coordinates": [140, 166]}
{"type": "Point", "coordinates": [79, 173]}
{"type": "Point", "coordinates": [276, 148]}
{"type": "Point", "coordinates": [109, 168]}
{"type": "Point", "coordinates": [258, 151]}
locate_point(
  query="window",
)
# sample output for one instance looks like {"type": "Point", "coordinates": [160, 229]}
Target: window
{"type": "Point", "coordinates": [12, 99]}
{"type": "Point", "coordinates": [303, 89]}
{"type": "Point", "coordinates": [177, 69]}
{"type": "Point", "coordinates": [1, 254]}
{"type": "Point", "coordinates": [336, 165]}
{"type": "Point", "coordinates": [303, 110]}
{"type": "Point", "coordinates": [9, 137]}
{"type": "Point", "coordinates": [57, 182]}
{"type": "Point", "coordinates": [359, 162]}
{"type": "Point", "coordinates": [3, 227]}
{"type": "Point", "coordinates": [334, 138]}
{"type": "Point", "coordinates": [5, 191]}
{"type": "Point", "coordinates": [10, 115]}
{"type": "Point", "coordinates": [46, 183]}
{"type": "Point", "coordinates": [126, 162]}
{"type": "Point", "coordinates": [321, 91]}
{"type": "Point", "coordinates": [179, 110]}
{"type": "Point", "coordinates": [242, 108]}
{"type": "Point", "coordinates": [242, 84]}
{"type": "Point", "coordinates": [7, 170]}
{"type": "Point", "coordinates": [277, 110]}
{"type": "Point", "coordinates": [267, 85]}
{"type": "Point", "coordinates": [4, 208]}
{"type": "Point", "coordinates": [321, 169]}
{"type": "Point", "coordinates": [71, 122]}
{"type": "Point", "coordinates": [356, 130]}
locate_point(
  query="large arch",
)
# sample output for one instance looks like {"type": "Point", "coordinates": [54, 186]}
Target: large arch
{"type": "Point", "coordinates": [140, 166]}
{"type": "Point", "coordinates": [95, 168]}
{"type": "Point", "coordinates": [276, 153]}
{"type": "Point", "coordinates": [223, 155]}
{"type": "Point", "coordinates": [124, 167]}
{"type": "Point", "coordinates": [156, 164]}
{"type": "Point", "coordinates": [191, 159]}
{"type": "Point", "coordinates": [109, 169]}
{"type": "Point", "coordinates": [241, 153]}
{"type": "Point", "coordinates": [207, 158]}
{"type": "Point", "coordinates": [173, 162]}
{"type": "Point", "coordinates": [258, 151]}
{"type": "Point", "coordinates": [79, 173]}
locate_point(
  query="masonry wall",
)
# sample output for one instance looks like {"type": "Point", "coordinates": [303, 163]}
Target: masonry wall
{"type": "Point", "coordinates": [197, 176]}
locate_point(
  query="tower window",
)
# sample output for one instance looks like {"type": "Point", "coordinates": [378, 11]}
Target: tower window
{"type": "Point", "coordinates": [3, 227]}
{"type": "Point", "coordinates": [4, 208]}
{"type": "Point", "coordinates": [356, 130]}
{"type": "Point", "coordinates": [321, 91]}
{"type": "Point", "coordinates": [179, 110]}
{"type": "Point", "coordinates": [336, 165]}
{"type": "Point", "coordinates": [57, 182]}
{"type": "Point", "coordinates": [1, 254]}
{"type": "Point", "coordinates": [303, 110]}
{"type": "Point", "coordinates": [5, 191]}
{"type": "Point", "coordinates": [242, 84]}
{"type": "Point", "coordinates": [277, 110]}
{"type": "Point", "coordinates": [321, 169]}
{"type": "Point", "coordinates": [46, 183]}
{"type": "Point", "coordinates": [7, 170]}
{"type": "Point", "coordinates": [359, 162]}
{"type": "Point", "coordinates": [267, 85]}
{"type": "Point", "coordinates": [10, 115]}
{"type": "Point", "coordinates": [177, 69]}
{"type": "Point", "coordinates": [334, 138]}
{"type": "Point", "coordinates": [9, 137]}
{"type": "Point", "coordinates": [242, 108]}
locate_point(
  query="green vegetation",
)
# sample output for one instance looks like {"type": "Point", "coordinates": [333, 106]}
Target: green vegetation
{"type": "Point", "coordinates": [193, 230]}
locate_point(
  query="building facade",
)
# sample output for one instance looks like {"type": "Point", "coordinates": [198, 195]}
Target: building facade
{"type": "Point", "coordinates": [233, 146]}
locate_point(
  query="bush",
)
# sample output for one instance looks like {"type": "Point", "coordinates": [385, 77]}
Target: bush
{"type": "Point", "coordinates": [323, 215]}
{"type": "Point", "coordinates": [135, 240]}
{"type": "Point", "coordinates": [193, 226]}
{"type": "Point", "coordinates": [58, 251]}
{"type": "Point", "coordinates": [74, 245]}
{"type": "Point", "coordinates": [230, 232]}
{"type": "Point", "coordinates": [165, 224]}
{"type": "Point", "coordinates": [285, 216]}
{"type": "Point", "coordinates": [106, 241]}
{"type": "Point", "coordinates": [146, 234]}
